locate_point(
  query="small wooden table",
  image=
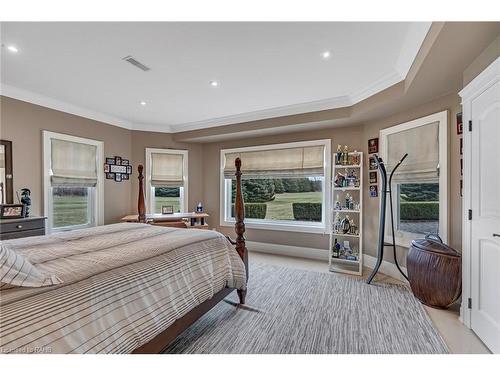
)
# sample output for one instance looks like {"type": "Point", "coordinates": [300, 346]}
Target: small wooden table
{"type": "Point", "coordinates": [195, 219]}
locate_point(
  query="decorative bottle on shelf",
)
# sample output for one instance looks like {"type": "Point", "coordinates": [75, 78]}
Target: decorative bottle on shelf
{"type": "Point", "coordinates": [336, 223]}
{"type": "Point", "coordinates": [336, 249]}
{"type": "Point", "coordinates": [338, 159]}
{"type": "Point", "coordinates": [345, 158]}
{"type": "Point", "coordinates": [199, 207]}
{"type": "Point", "coordinates": [338, 206]}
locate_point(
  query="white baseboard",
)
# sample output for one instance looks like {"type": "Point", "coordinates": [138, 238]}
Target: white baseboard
{"type": "Point", "coordinates": [291, 251]}
{"type": "Point", "coordinates": [387, 268]}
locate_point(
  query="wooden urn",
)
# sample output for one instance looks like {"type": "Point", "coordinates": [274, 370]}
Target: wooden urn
{"type": "Point", "coordinates": [434, 272]}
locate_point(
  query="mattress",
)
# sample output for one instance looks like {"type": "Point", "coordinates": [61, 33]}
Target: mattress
{"type": "Point", "coordinates": [122, 285]}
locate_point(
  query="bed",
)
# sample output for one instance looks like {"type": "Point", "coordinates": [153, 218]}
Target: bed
{"type": "Point", "coordinates": [120, 288]}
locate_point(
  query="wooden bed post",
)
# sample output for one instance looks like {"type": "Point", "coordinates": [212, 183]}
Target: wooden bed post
{"type": "Point", "coordinates": [141, 206]}
{"type": "Point", "coordinates": [239, 227]}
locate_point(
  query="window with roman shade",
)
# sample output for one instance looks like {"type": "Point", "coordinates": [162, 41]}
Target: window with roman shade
{"type": "Point", "coordinates": [167, 170]}
{"type": "Point", "coordinates": [73, 181]}
{"type": "Point", "coordinates": [285, 186]}
{"type": "Point", "coordinates": [420, 184]}
{"type": "Point", "coordinates": [166, 180]}
{"type": "Point", "coordinates": [280, 163]}
{"type": "Point", "coordinates": [422, 146]}
{"type": "Point", "coordinates": [73, 163]}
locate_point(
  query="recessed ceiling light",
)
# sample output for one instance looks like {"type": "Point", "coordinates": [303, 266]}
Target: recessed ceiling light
{"type": "Point", "coordinates": [325, 55]}
{"type": "Point", "coordinates": [12, 49]}
{"type": "Point", "coordinates": [214, 83]}
{"type": "Point", "coordinates": [143, 103]}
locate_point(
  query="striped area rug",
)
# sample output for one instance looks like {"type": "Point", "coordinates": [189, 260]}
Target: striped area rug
{"type": "Point", "coordinates": [294, 311]}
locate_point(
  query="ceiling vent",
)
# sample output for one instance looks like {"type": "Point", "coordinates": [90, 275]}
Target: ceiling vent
{"type": "Point", "coordinates": [136, 63]}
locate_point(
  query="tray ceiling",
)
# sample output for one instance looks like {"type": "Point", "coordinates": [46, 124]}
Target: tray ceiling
{"type": "Point", "coordinates": [262, 70]}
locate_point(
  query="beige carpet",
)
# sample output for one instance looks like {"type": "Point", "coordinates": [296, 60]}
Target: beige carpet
{"type": "Point", "coordinates": [294, 311]}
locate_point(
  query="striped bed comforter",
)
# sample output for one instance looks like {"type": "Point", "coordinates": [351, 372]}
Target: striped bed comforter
{"type": "Point", "coordinates": [122, 285]}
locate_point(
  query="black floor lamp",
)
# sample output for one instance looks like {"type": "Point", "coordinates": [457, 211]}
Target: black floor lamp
{"type": "Point", "coordinates": [386, 188]}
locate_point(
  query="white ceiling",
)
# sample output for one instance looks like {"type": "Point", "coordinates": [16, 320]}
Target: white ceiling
{"type": "Point", "coordinates": [264, 69]}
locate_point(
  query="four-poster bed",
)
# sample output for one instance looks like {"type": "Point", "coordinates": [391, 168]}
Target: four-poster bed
{"type": "Point", "coordinates": [161, 341]}
{"type": "Point", "coordinates": [119, 288]}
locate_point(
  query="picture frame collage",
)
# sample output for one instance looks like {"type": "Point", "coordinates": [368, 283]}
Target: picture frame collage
{"type": "Point", "coordinates": [117, 169]}
{"type": "Point", "coordinates": [372, 167]}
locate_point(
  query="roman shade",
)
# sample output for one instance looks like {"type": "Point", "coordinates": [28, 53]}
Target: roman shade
{"type": "Point", "coordinates": [422, 146]}
{"type": "Point", "coordinates": [73, 164]}
{"type": "Point", "coordinates": [167, 170]}
{"type": "Point", "coordinates": [278, 163]}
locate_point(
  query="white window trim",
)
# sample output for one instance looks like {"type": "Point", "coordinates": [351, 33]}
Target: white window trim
{"type": "Point", "coordinates": [97, 201]}
{"type": "Point", "coordinates": [404, 239]}
{"type": "Point", "coordinates": [291, 226]}
{"type": "Point", "coordinates": [184, 191]}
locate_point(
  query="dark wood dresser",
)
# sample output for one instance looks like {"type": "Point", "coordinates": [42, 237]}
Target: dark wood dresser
{"type": "Point", "coordinates": [25, 227]}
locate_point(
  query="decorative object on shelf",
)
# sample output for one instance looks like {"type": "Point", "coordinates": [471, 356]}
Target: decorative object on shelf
{"type": "Point", "coordinates": [26, 200]}
{"type": "Point", "coordinates": [373, 191]}
{"type": "Point", "coordinates": [12, 211]}
{"type": "Point", "coordinates": [460, 128]}
{"type": "Point", "coordinates": [167, 210]}
{"type": "Point", "coordinates": [337, 205]}
{"type": "Point", "coordinates": [373, 146]}
{"type": "Point", "coordinates": [373, 177]}
{"type": "Point", "coordinates": [345, 156]}
{"type": "Point", "coordinates": [373, 163]}
{"type": "Point", "coordinates": [199, 207]}
{"type": "Point", "coordinates": [338, 155]}
{"type": "Point", "coordinates": [117, 169]}
{"type": "Point", "coordinates": [345, 224]}
{"type": "Point", "coordinates": [434, 272]}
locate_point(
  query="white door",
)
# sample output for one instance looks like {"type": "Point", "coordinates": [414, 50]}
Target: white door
{"type": "Point", "coordinates": [485, 200]}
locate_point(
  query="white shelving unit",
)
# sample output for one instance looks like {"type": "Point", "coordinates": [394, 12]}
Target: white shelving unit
{"type": "Point", "coordinates": [342, 264]}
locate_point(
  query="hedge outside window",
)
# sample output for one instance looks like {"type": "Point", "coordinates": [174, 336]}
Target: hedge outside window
{"type": "Point", "coordinates": [283, 185]}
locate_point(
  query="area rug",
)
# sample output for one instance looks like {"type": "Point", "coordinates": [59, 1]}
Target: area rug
{"type": "Point", "coordinates": [295, 311]}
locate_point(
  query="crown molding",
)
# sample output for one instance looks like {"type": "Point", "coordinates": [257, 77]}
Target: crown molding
{"type": "Point", "coordinates": [294, 109]}
{"type": "Point", "coordinates": [45, 101]}
{"type": "Point", "coordinates": [156, 128]}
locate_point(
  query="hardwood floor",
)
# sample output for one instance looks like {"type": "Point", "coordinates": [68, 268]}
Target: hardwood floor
{"type": "Point", "coordinates": [458, 337]}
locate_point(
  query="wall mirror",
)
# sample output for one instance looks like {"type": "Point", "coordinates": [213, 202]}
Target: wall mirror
{"type": "Point", "coordinates": [6, 189]}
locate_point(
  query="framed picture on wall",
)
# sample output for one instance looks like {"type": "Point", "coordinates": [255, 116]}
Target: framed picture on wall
{"type": "Point", "coordinates": [124, 161]}
{"type": "Point", "coordinates": [460, 127]}
{"type": "Point", "coordinates": [106, 168]}
{"type": "Point", "coordinates": [373, 191]}
{"type": "Point", "coordinates": [118, 160]}
{"type": "Point", "coordinates": [373, 146]}
{"type": "Point", "coordinates": [373, 177]}
{"type": "Point", "coordinates": [110, 161]}
{"type": "Point", "coordinates": [372, 163]}
{"type": "Point", "coordinates": [110, 176]}
{"type": "Point", "coordinates": [118, 177]}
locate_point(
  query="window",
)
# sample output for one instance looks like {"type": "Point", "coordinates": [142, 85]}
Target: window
{"type": "Point", "coordinates": [166, 179]}
{"type": "Point", "coordinates": [73, 187]}
{"type": "Point", "coordinates": [420, 184]}
{"type": "Point", "coordinates": [285, 186]}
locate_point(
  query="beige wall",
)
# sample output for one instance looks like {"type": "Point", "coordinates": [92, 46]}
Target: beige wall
{"type": "Point", "coordinates": [357, 138]}
{"type": "Point", "coordinates": [22, 123]}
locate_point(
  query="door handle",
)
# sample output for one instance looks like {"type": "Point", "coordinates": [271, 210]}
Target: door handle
{"type": "Point", "coordinates": [496, 235]}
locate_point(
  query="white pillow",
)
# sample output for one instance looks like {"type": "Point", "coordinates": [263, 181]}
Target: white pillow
{"type": "Point", "coordinates": [16, 270]}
